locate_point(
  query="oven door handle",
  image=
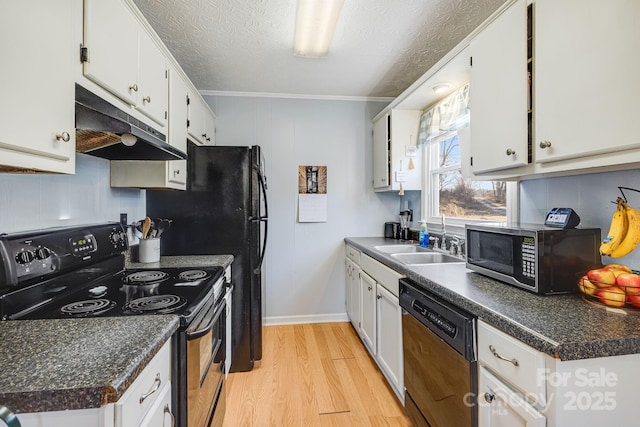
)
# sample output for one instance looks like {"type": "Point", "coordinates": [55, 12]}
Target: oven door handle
{"type": "Point", "coordinates": [201, 332]}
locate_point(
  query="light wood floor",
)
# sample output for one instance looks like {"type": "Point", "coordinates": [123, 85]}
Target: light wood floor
{"type": "Point", "coordinates": [312, 375]}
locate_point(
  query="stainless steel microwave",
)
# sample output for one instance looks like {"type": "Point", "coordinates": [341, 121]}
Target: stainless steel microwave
{"type": "Point", "coordinates": [540, 259]}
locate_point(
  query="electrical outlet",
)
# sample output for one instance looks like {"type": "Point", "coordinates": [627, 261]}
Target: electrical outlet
{"type": "Point", "coordinates": [123, 219]}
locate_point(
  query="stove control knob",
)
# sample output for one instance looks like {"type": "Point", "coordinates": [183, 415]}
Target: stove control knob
{"type": "Point", "coordinates": [25, 257]}
{"type": "Point", "coordinates": [118, 238]}
{"type": "Point", "coordinates": [43, 253]}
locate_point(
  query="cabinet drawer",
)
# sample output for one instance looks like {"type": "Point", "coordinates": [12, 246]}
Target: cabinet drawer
{"type": "Point", "coordinates": [160, 414]}
{"type": "Point", "coordinates": [353, 254]}
{"type": "Point", "coordinates": [524, 367]}
{"type": "Point", "coordinates": [381, 273]}
{"type": "Point", "coordinates": [133, 405]}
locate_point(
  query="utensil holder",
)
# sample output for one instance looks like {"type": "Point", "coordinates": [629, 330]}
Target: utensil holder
{"type": "Point", "coordinates": [149, 250]}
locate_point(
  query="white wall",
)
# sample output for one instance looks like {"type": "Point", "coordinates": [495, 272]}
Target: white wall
{"type": "Point", "coordinates": [589, 195]}
{"type": "Point", "coordinates": [30, 202]}
{"type": "Point", "coordinates": [304, 271]}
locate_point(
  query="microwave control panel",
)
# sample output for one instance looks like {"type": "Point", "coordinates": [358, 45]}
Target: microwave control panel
{"type": "Point", "coordinates": [529, 257]}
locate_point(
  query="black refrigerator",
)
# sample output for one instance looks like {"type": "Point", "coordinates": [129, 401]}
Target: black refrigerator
{"type": "Point", "coordinates": [223, 211]}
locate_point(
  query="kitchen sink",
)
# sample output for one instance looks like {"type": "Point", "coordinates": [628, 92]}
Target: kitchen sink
{"type": "Point", "coordinates": [400, 249]}
{"type": "Point", "coordinates": [426, 258]}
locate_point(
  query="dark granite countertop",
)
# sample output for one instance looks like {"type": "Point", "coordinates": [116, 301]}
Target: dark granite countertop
{"type": "Point", "coordinates": [563, 326]}
{"type": "Point", "coordinates": [185, 261]}
{"type": "Point", "coordinates": [53, 365]}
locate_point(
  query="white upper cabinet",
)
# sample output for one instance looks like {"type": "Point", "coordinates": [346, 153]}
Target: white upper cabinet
{"type": "Point", "coordinates": [178, 94]}
{"type": "Point", "coordinates": [160, 174]}
{"type": "Point", "coordinates": [38, 45]}
{"type": "Point", "coordinates": [393, 133]}
{"type": "Point", "coordinates": [499, 87]}
{"type": "Point", "coordinates": [123, 59]}
{"type": "Point", "coordinates": [111, 40]}
{"type": "Point", "coordinates": [202, 125]}
{"type": "Point", "coordinates": [586, 78]}
{"type": "Point", "coordinates": [153, 90]}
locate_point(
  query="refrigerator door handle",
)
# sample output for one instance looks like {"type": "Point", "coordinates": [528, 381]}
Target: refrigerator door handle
{"type": "Point", "coordinates": [264, 218]}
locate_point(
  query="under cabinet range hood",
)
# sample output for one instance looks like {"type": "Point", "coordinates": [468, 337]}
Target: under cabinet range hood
{"type": "Point", "coordinates": [104, 130]}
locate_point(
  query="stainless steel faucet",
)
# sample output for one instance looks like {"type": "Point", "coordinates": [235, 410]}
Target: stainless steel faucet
{"type": "Point", "coordinates": [444, 234]}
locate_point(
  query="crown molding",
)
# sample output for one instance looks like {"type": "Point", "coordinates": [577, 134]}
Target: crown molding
{"type": "Point", "coordinates": [295, 96]}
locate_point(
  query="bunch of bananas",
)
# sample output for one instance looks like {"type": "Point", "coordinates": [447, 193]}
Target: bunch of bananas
{"type": "Point", "coordinates": [624, 231]}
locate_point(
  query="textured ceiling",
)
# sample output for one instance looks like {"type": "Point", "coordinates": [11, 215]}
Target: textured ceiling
{"type": "Point", "coordinates": [379, 49]}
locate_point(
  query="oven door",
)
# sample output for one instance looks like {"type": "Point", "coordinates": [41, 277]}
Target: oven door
{"type": "Point", "coordinates": [206, 350]}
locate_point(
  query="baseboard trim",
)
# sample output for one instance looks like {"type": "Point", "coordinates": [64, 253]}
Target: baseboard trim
{"type": "Point", "coordinates": [310, 318]}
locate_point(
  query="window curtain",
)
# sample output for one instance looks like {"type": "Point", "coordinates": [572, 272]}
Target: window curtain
{"type": "Point", "coordinates": [449, 114]}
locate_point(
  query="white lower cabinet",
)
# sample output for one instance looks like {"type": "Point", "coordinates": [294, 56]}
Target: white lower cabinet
{"type": "Point", "coordinates": [499, 406]}
{"type": "Point", "coordinates": [146, 403]}
{"type": "Point", "coordinates": [521, 386]}
{"type": "Point", "coordinates": [368, 305]}
{"type": "Point", "coordinates": [389, 328]}
{"type": "Point", "coordinates": [160, 414]}
{"type": "Point", "coordinates": [381, 320]}
{"type": "Point", "coordinates": [353, 293]}
{"type": "Point", "coordinates": [136, 402]}
{"type": "Point", "coordinates": [510, 390]}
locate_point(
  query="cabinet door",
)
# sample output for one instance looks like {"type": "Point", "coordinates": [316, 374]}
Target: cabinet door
{"type": "Point", "coordinates": [499, 406]}
{"type": "Point", "coordinates": [153, 87]}
{"type": "Point", "coordinates": [381, 153]}
{"type": "Point", "coordinates": [37, 101]}
{"type": "Point", "coordinates": [177, 135]}
{"type": "Point", "coordinates": [353, 293]}
{"type": "Point", "coordinates": [209, 126]}
{"type": "Point", "coordinates": [111, 37]}
{"type": "Point", "coordinates": [499, 87]}
{"type": "Point", "coordinates": [196, 115]}
{"type": "Point", "coordinates": [389, 327]}
{"type": "Point", "coordinates": [585, 78]}
{"type": "Point", "coordinates": [368, 306]}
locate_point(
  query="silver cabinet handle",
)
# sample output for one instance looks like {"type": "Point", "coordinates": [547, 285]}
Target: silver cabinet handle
{"type": "Point", "coordinates": [369, 287]}
{"type": "Point", "coordinates": [176, 172]}
{"type": "Point", "coordinates": [147, 99]}
{"type": "Point", "coordinates": [154, 388]}
{"type": "Point", "coordinates": [510, 152]}
{"type": "Point", "coordinates": [379, 296]}
{"type": "Point", "coordinates": [495, 353]}
{"type": "Point", "coordinates": [167, 410]}
{"type": "Point", "coordinates": [133, 87]}
{"type": "Point", "coordinates": [64, 136]}
{"type": "Point", "coordinates": [489, 397]}
{"type": "Point", "coordinates": [545, 144]}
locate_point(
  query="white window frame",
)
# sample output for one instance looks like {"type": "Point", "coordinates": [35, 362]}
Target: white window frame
{"type": "Point", "coordinates": [455, 225]}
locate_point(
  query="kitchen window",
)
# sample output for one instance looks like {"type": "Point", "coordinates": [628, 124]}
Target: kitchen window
{"type": "Point", "coordinates": [447, 190]}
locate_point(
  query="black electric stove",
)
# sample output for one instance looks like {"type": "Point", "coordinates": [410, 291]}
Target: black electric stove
{"type": "Point", "coordinates": [79, 272]}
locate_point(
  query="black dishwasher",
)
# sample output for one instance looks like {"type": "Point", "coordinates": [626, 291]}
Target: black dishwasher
{"type": "Point", "coordinates": [440, 366]}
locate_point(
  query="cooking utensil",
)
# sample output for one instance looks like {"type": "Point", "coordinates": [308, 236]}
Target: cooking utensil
{"type": "Point", "coordinates": [162, 226]}
{"type": "Point", "coordinates": [146, 226]}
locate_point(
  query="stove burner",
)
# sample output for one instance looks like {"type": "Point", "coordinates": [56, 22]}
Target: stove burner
{"type": "Point", "coordinates": [156, 304]}
{"type": "Point", "coordinates": [192, 275]}
{"type": "Point", "coordinates": [145, 277]}
{"type": "Point", "coordinates": [87, 308]}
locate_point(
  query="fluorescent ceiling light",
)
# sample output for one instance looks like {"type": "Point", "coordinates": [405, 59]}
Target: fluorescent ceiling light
{"type": "Point", "coordinates": [315, 24]}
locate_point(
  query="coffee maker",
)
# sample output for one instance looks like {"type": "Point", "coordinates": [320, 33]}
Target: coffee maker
{"type": "Point", "coordinates": [406, 216]}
